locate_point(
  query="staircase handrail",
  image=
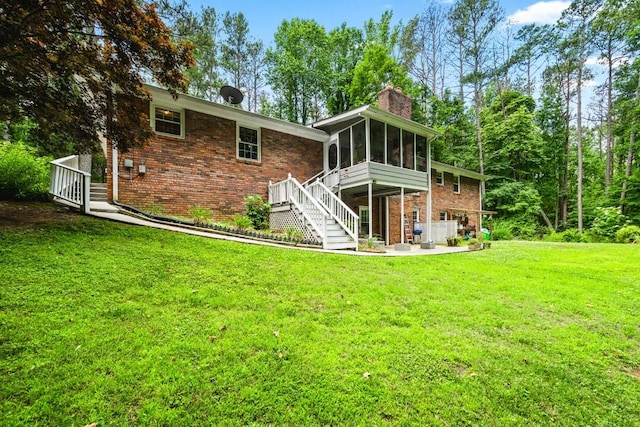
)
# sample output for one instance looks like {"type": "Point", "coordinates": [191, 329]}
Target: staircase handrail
{"type": "Point", "coordinates": [339, 211]}
{"type": "Point", "coordinates": [70, 183]}
{"type": "Point", "coordinates": [319, 175]}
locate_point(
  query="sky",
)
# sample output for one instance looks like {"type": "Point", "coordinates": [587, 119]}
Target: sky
{"type": "Point", "coordinates": [264, 16]}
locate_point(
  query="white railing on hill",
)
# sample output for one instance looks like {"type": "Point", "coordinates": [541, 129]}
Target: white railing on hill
{"type": "Point", "coordinates": [291, 191]}
{"type": "Point", "coordinates": [70, 183]}
{"type": "Point", "coordinates": [338, 210]}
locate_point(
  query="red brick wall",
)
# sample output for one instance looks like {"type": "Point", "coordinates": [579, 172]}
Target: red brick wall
{"type": "Point", "coordinates": [395, 101]}
{"type": "Point", "coordinates": [202, 168]}
{"type": "Point", "coordinates": [444, 198]}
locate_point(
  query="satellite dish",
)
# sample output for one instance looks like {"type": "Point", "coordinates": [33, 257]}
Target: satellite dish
{"type": "Point", "coordinates": [232, 95]}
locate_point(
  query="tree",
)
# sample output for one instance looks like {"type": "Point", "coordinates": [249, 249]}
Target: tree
{"type": "Point", "coordinates": [255, 68]}
{"type": "Point", "coordinates": [473, 21]}
{"type": "Point", "coordinates": [429, 68]}
{"type": "Point", "coordinates": [235, 50]}
{"type": "Point", "coordinates": [576, 20]}
{"type": "Point", "coordinates": [554, 132]}
{"type": "Point", "coordinates": [512, 139]}
{"type": "Point", "coordinates": [299, 70]}
{"type": "Point", "coordinates": [345, 51]}
{"type": "Point", "coordinates": [387, 52]}
{"type": "Point", "coordinates": [61, 60]}
{"type": "Point", "coordinates": [609, 29]}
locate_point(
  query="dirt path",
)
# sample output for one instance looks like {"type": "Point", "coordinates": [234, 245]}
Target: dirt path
{"type": "Point", "coordinates": [27, 215]}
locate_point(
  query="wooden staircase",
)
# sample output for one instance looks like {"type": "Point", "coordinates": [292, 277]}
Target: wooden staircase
{"type": "Point", "coordinates": [318, 212]}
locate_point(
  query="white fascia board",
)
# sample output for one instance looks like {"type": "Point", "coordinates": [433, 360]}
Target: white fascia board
{"type": "Point", "coordinates": [340, 117]}
{"type": "Point", "coordinates": [382, 116]}
{"type": "Point", "coordinates": [457, 171]}
{"type": "Point", "coordinates": [401, 122]}
{"type": "Point", "coordinates": [188, 102]}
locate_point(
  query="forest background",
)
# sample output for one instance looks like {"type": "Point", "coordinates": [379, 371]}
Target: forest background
{"type": "Point", "coordinates": [516, 102]}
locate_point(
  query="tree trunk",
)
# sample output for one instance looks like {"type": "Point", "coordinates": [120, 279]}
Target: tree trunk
{"type": "Point", "coordinates": [478, 107]}
{"type": "Point", "coordinates": [629, 163]}
{"type": "Point", "coordinates": [546, 218]}
{"type": "Point", "coordinates": [579, 129]}
{"type": "Point", "coordinates": [609, 151]}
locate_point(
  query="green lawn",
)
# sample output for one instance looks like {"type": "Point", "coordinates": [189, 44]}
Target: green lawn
{"type": "Point", "coordinates": [119, 325]}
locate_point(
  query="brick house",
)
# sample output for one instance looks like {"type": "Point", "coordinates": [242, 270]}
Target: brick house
{"type": "Point", "coordinates": [367, 171]}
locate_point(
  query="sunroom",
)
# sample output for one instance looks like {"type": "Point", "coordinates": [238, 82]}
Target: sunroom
{"type": "Point", "coordinates": [374, 154]}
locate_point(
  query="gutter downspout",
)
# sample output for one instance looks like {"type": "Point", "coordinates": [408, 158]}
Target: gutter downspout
{"type": "Point", "coordinates": [114, 172]}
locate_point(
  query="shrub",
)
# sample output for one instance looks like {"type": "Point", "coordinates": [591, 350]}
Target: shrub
{"type": "Point", "coordinates": [628, 234]}
{"type": "Point", "coordinates": [242, 222]}
{"type": "Point", "coordinates": [518, 228]}
{"type": "Point", "coordinates": [501, 232]}
{"type": "Point", "coordinates": [200, 215]}
{"type": "Point", "coordinates": [606, 223]}
{"type": "Point", "coordinates": [23, 175]}
{"type": "Point", "coordinates": [572, 235]}
{"type": "Point", "coordinates": [257, 210]}
{"type": "Point", "coordinates": [293, 234]}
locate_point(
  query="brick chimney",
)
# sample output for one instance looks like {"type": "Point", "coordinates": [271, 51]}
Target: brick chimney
{"type": "Point", "coordinates": [395, 101]}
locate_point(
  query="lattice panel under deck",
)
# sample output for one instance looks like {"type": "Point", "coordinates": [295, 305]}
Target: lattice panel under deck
{"type": "Point", "coordinates": [281, 221]}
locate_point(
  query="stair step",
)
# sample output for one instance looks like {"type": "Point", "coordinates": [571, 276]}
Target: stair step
{"type": "Point", "coordinates": [341, 239]}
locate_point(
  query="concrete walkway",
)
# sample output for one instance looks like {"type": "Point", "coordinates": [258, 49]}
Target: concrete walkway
{"type": "Point", "coordinates": [106, 211]}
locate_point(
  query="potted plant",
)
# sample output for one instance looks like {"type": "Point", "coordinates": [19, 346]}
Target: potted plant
{"type": "Point", "coordinates": [472, 242]}
{"type": "Point", "coordinates": [453, 240]}
{"type": "Point", "coordinates": [480, 239]}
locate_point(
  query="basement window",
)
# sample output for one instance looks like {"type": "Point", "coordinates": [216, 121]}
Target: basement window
{"type": "Point", "coordinates": [168, 122]}
{"type": "Point", "coordinates": [248, 146]}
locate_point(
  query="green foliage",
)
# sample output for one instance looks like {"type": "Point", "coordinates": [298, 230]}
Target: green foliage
{"type": "Point", "coordinates": [607, 222]}
{"type": "Point", "coordinates": [514, 199]}
{"type": "Point", "coordinates": [156, 209]}
{"type": "Point", "coordinates": [23, 175]}
{"type": "Point", "coordinates": [63, 80]}
{"type": "Point", "coordinates": [200, 215]}
{"type": "Point", "coordinates": [299, 69]}
{"type": "Point", "coordinates": [572, 235]}
{"type": "Point", "coordinates": [293, 234]}
{"type": "Point", "coordinates": [242, 222]}
{"type": "Point", "coordinates": [514, 228]}
{"type": "Point", "coordinates": [511, 137]}
{"type": "Point", "coordinates": [258, 211]}
{"type": "Point", "coordinates": [628, 234]}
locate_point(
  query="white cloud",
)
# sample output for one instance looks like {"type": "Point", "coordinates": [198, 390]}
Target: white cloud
{"type": "Point", "coordinates": [543, 12]}
{"type": "Point", "coordinates": [601, 62]}
{"type": "Point", "coordinates": [589, 83]}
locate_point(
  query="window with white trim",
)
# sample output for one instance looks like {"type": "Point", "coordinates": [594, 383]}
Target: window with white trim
{"type": "Point", "coordinates": [248, 147]}
{"type": "Point", "coordinates": [443, 215]}
{"type": "Point", "coordinates": [168, 122]}
{"type": "Point", "coordinates": [416, 216]}
{"type": "Point", "coordinates": [456, 184]}
{"type": "Point", "coordinates": [440, 178]}
{"type": "Point", "coordinates": [363, 212]}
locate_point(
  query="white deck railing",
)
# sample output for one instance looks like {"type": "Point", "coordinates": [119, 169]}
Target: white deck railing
{"type": "Point", "coordinates": [70, 183]}
{"type": "Point", "coordinates": [338, 210]}
{"type": "Point", "coordinates": [291, 191]}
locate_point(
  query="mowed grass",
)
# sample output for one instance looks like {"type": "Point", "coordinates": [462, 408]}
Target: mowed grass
{"type": "Point", "coordinates": [120, 325]}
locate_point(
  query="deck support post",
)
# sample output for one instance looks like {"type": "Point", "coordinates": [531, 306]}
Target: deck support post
{"type": "Point", "coordinates": [402, 215]}
{"type": "Point", "coordinates": [370, 202]}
